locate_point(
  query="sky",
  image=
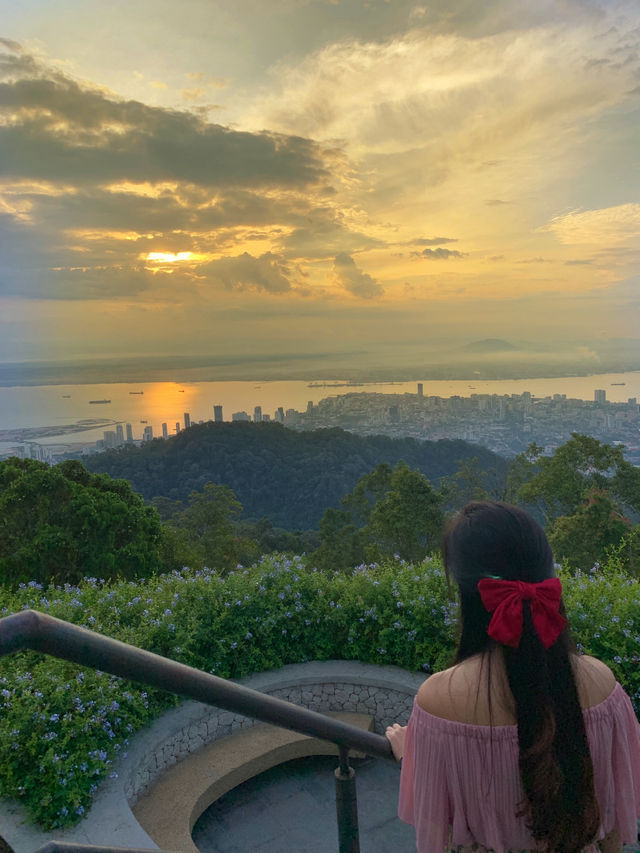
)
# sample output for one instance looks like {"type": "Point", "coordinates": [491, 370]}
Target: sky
{"type": "Point", "coordinates": [247, 177]}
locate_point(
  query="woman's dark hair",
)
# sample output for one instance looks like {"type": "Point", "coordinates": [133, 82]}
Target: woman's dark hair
{"type": "Point", "coordinates": [488, 539]}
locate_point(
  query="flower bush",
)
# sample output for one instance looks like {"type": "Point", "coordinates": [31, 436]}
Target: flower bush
{"type": "Point", "coordinates": [61, 726]}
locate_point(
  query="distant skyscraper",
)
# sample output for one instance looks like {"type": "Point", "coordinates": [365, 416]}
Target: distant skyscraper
{"type": "Point", "coordinates": [257, 415]}
{"type": "Point", "coordinates": [217, 414]}
{"type": "Point", "coordinates": [165, 431]}
{"type": "Point", "coordinates": [600, 396]}
{"type": "Point", "coordinates": [240, 416]}
{"type": "Point", "coordinates": [109, 438]}
{"type": "Point", "coordinates": [119, 434]}
{"type": "Point", "coordinates": [177, 427]}
{"type": "Point", "coordinates": [129, 433]}
{"type": "Point", "coordinates": [310, 407]}
{"type": "Point", "coordinates": [147, 434]}
{"type": "Point", "coordinates": [187, 420]}
{"type": "Point", "coordinates": [420, 389]}
{"type": "Point", "coordinates": [292, 416]}
{"type": "Point", "coordinates": [279, 415]}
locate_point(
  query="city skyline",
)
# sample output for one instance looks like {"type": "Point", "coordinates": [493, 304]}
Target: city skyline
{"type": "Point", "coordinates": [505, 423]}
{"type": "Point", "coordinates": [318, 177]}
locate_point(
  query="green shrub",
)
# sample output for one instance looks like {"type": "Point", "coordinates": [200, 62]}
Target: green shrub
{"type": "Point", "coordinates": [61, 727]}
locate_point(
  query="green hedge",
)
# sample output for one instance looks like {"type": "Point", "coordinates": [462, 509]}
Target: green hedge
{"type": "Point", "coordinates": [61, 727]}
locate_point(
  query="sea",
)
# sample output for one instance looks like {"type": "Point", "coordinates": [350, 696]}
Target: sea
{"type": "Point", "coordinates": [73, 419]}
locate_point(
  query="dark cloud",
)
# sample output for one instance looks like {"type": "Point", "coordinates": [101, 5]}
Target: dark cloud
{"type": "Point", "coordinates": [269, 273]}
{"type": "Point", "coordinates": [62, 131]}
{"type": "Point", "coordinates": [431, 241]}
{"type": "Point", "coordinates": [323, 237]}
{"type": "Point", "coordinates": [68, 151]}
{"type": "Point", "coordinates": [348, 276]}
{"type": "Point", "coordinates": [579, 262]}
{"type": "Point", "coordinates": [439, 254]}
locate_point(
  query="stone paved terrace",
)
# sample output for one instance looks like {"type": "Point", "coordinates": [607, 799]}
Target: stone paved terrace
{"type": "Point", "coordinates": [292, 808]}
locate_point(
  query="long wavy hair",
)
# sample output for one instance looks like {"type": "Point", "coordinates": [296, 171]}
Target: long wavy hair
{"type": "Point", "coordinates": [493, 539]}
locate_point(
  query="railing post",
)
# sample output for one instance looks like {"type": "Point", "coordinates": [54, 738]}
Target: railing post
{"type": "Point", "coordinates": [346, 805]}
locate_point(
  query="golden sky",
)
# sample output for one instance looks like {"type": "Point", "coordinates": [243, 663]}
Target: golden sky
{"type": "Point", "coordinates": [249, 176]}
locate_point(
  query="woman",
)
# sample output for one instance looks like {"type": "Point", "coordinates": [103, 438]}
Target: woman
{"type": "Point", "coordinates": [523, 744]}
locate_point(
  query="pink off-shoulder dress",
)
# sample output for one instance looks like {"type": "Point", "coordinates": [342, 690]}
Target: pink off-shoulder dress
{"type": "Point", "coordinates": [460, 783]}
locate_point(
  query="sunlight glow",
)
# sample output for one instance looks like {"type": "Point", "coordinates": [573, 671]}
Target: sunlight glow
{"type": "Point", "coordinates": [169, 257]}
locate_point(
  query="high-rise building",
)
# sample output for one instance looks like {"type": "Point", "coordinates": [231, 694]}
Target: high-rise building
{"type": "Point", "coordinates": [217, 414]}
{"type": "Point", "coordinates": [420, 389]}
{"type": "Point", "coordinates": [165, 431]}
{"type": "Point", "coordinates": [147, 434]}
{"type": "Point", "coordinates": [119, 434]}
{"type": "Point", "coordinates": [109, 438]}
{"type": "Point", "coordinates": [240, 416]}
{"type": "Point", "coordinates": [257, 415]}
{"type": "Point", "coordinates": [187, 420]}
{"type": "Point", "coordinates": [279, 415]}
{"type": "Point", "coordinates": [129, 434]}
{"type": "Point", "coordinates": [600, 396]}
{"type": "Point", "coordinates": [310, 407]}
{"type": "Point", "coordinates": [291, 416]}
{"type": "Point", "coordinates": [177, 427]}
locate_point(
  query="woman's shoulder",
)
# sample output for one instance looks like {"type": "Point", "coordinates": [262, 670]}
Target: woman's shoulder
{"type": "Point", "coordinates": [457, 693]}
{"type": "Point", "coordinates": [594, 680]}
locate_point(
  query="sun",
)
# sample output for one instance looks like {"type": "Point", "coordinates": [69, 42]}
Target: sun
{"type": "Point", "coordinates": [169, 257]}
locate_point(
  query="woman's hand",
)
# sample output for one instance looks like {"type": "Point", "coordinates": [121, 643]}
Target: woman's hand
{"type": "Point", "coordinates": [395, 734]}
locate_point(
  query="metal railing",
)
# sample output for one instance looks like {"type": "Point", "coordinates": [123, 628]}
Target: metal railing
{"type": "Point", "coordinates": [40, 632]}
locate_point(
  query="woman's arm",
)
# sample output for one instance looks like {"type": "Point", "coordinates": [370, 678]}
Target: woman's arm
{"type": "Point", "coordinates": [395, 734]}
{"type": "Point", "coordinates": [611, 843]}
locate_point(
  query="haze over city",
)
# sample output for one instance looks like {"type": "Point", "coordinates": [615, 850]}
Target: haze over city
{"type": "Point", "coordinates": [332, 184]}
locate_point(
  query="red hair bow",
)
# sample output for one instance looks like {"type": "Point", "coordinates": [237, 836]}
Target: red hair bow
{"type": "Point", "coordinates": [504, 599]}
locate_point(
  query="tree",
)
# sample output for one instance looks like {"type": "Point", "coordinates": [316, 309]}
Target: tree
{"type": "Point", "coordinates": [408, 519]}
{"type": "Point", "coordinates": [204, 529]}
{"type": "Point", "coordinates": [584, 537]}
{"type": "Point", "coordinates": [558, 484]}
{"type": "Point", "coordinates": [390, 511]}
{"type": "Point", "coordinates": [62, 523]}
{"type": "Point", "coordinates": [341, 542]}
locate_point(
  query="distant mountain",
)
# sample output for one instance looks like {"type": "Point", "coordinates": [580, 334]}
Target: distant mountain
{"type": "Point", "coordinates": [490, 345]}
{"type": "Point", "coordinates": [286, 476]}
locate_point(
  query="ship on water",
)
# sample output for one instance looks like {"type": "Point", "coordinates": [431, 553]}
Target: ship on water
{"type": "Point", "coordinates": [94, 402]}
{"type": "Point", "coordinates": [136, 392]}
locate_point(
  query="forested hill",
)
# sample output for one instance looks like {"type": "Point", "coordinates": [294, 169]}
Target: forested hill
{"type": "Point", "coordinates": [286, 476]}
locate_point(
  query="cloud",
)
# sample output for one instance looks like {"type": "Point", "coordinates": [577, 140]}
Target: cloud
{"type": "Point", "coordinates": [604, 227]}
{"type": "Point", "coordinates": [268, 273]}
{"type": "Point", "coordinates": [431, 241]}
{"type": "Point", "coordinates": [53, 128]}
{"type": "Point", "coordinates": [579, 262]}
{"type": "Point", "coordinates": [324, 237]}
{"type": "Point", "coordinates": [347, 275]}
{"type": "Point", "coordinates": [439, 254]}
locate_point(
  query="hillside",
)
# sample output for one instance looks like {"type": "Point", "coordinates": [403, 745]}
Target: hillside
{"type": "Point", "coordinates": [286, 476]}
